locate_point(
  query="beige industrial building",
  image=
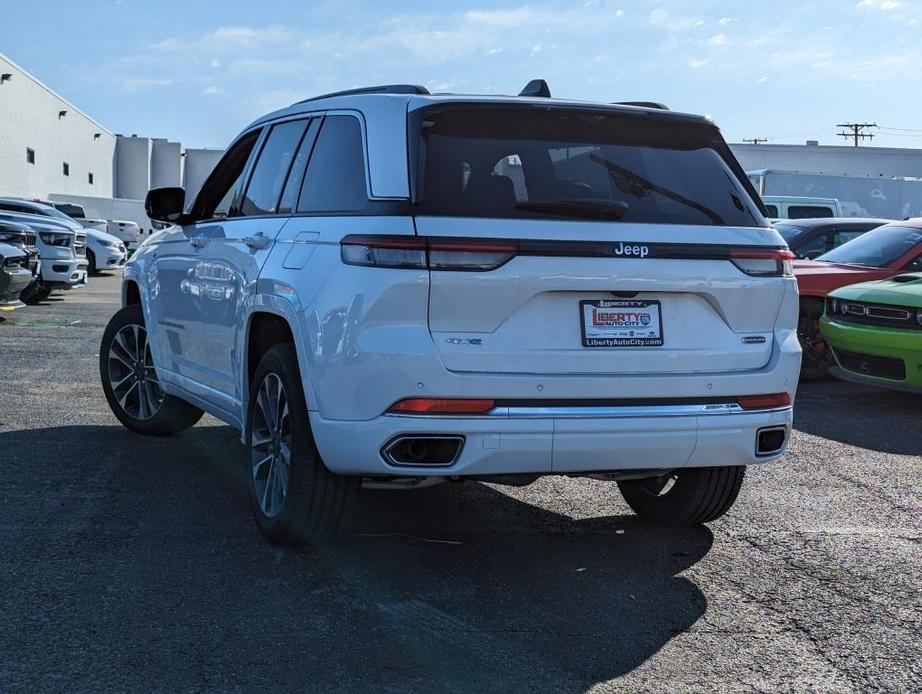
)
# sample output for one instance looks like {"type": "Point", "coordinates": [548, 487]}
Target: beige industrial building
{"type": "Point", "coordinates": [49, 147]}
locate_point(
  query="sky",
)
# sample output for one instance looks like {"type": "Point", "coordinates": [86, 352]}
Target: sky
{"type": "Point", "coordinates": [198, 71]}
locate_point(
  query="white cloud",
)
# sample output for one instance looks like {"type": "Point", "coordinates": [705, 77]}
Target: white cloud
{"type": "Point", "coordinates": [881, 5]}
{"type": "Point", "coordinates": [719, 40]}
{"type": "Point", "coordinates": [663, 19]}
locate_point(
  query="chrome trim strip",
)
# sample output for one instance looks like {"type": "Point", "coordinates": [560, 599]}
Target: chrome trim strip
{"type": "Point", "coordinates": [612, 411]}
{"type": "Point", "coordinates": [602, 412]}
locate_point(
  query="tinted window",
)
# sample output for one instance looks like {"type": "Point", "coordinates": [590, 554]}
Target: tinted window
{"type": "Point", "coordinates": [877, 248]}
{"type": "Point", "coordinates": [293, 186]}
{"type": "Point", "coordinates": [789, 232]}
{"type": "Point", "coordinates": [840, 237]}
{"type": "Point", "coordinates": [525, 163]}
{"type": "Point", "coordinates": [272, 168]}
{"type": "Point", "coordinates": [808, 212]}
{"type": "Point", "coordinates": [812, 248]}
{"type": "Point", "coordinates": [771, 210]}
{"type": "Point", "coordinates": [220, 190]}
{"type": "Point", "coordinates": [335, 179]}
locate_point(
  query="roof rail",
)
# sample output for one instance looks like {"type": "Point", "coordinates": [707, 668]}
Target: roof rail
{"type": "Point", "coordinates": [642, 104]}
{"type": "Point", "coordinates": [382, 89]}
{"type": "Point", "coordinates": [536, 88]}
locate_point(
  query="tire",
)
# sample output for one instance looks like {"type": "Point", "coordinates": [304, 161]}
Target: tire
{"type": "Point", "coordinates": [295, 498]}
{"type": "Point", "coordinates": [91, 260]}
{"type": "Point", "coordinates": [696, 495]}
{"type": "Point", "coordinates": [817, 357]}
{"type": "Point", "coordinates": [130, 384]}
{"type": "Point", "coordinates": [35, 293]}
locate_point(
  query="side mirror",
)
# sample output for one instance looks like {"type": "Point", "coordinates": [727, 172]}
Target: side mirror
{"type": "Point", "coordinates": [165, 204]}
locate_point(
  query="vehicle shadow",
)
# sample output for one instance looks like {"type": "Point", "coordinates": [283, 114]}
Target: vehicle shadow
{"type": "Point", "coordinates": [872, 418]}
{"type": "Point", "coordinates": [151, 571]}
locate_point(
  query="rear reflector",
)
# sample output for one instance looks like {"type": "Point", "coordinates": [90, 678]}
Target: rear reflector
{"type": "Point", "coordinates": [764, 402]}
{"type": "Point", "coordinates": [443, 406]}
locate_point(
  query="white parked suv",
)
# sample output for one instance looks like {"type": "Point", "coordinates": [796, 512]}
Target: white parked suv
{"type": "Point", "coordinates": [389, 288]}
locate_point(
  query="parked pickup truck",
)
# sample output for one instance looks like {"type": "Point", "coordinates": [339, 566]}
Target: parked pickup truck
{"type": "Point", "coordinates": [15, 276]}
{"type": "Point", "coordinates": [126, 231]}
{"type": "Point", "coordinates": [62, 250]}
{"type": "Point", "coordinates": [21, 236]}
{"type": "Point", "coordinates": [104, 251]}
{"type": "Point", "coordinates": [78, 214]}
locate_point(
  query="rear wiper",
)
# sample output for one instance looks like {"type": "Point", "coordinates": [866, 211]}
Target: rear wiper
{"type": "Point", "coordinates": [586, 208]}
{"type": "Point", "coordinates": [642, 185]}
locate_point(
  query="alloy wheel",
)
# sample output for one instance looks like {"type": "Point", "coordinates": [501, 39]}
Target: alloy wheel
{"type": "Point", "coordinates": [270, 445]}
{"type": "Point", "coordinates": [131, 373]}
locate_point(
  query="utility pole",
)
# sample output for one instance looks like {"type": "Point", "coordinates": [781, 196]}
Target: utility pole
{"type": "Point", "coordinates": [855, 132]}
{"type": "Point", "coordinates": [755, 140]}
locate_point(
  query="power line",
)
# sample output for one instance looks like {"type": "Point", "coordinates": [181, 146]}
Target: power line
{"type": "Point", "coordinates": [902, 130]}
{"type": "Point", "coordinates": [857, 131]}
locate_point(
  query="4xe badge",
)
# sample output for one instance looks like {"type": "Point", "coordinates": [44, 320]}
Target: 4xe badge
{"type": "Point", "coordinates": [627, 249]}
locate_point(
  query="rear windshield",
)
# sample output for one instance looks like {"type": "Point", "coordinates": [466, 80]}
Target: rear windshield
{"type": "Point", "coordinates": [877, 248]}
{"type": "Point", "coordinates": [789, 232]}
{"type": "Point", "coordinates": [576, 164]}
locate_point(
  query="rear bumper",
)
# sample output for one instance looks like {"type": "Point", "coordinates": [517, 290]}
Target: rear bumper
{"type": "Point", "coordinates": [901, 345]}
{"type": "Point", "coordinates": [571, 445]}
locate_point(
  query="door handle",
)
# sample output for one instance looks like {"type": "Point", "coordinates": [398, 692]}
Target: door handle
{"type": "Point", "coordinates": [257, 242]}
{"type": "Point", "coordinates": [198, 242]}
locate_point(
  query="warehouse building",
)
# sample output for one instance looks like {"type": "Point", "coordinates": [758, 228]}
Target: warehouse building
{"type": "Point", "coordinates": [836, 160]}
{"type": "Point", "coordinates": [49, 147]}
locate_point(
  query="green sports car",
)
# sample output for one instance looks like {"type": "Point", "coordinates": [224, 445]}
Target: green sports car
{"type": "Point", "coordinates": [875, 331]}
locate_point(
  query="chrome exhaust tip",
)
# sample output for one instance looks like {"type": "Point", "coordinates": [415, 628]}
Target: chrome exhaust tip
{"type": "Point", "coordinates": [770, 440]}
{"type": "Point", "coordinates": [423, 450]}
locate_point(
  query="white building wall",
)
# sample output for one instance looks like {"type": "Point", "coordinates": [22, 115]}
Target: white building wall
{"type": "Point", "coordinates": [166, 164]}
{"type": "Point", "coordinates": [199, 165]}
{"type": "Point", "coordinates": [831, 159]}
{"type": "Point", "coordinates": [29, 117]}
{"type": "Point", "coordinates": [132, 167]}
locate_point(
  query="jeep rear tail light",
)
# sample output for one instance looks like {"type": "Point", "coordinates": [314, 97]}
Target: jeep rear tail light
{"type": "Point", "coordinates": [764, 402]}
{"type": "Point", "coordinates": [771, 262]}
{"type": "Point", "coordinates": [443, 406]}
{"type": "Point", "coordinates": [463, 254]}
{"type": "Point", "coordinates": [426, 253]}
{"type": "Point", "coordinates": [384, 251]}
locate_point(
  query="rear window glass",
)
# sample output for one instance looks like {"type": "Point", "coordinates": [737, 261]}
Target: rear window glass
{"type": "Point", "coordinates": [576, 164]}
{"type": "Point", "coordinates": [809, 212]}
{"type": "Point", "coordinates": [789, 232]}
{"type": "Point", "coordinates": [771, 211]}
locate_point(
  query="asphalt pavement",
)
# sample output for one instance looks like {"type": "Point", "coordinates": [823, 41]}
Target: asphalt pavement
{"type": "Point", "coordinates": [132, 564]}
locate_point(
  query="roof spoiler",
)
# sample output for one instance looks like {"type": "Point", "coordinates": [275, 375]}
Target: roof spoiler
{"type": "Point", "coordinates": [382, 89]}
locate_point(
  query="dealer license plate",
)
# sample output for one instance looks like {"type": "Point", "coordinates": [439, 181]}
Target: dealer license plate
{"type": "Point", "coordinates": [621, 323]}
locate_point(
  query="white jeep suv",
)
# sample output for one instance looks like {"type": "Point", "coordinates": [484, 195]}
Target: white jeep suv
{"type": "Point", "coordinates": [389, 288]}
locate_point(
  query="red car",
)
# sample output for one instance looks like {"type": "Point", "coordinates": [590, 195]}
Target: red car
{"type": "Point", "coordinates": [877, 254]}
